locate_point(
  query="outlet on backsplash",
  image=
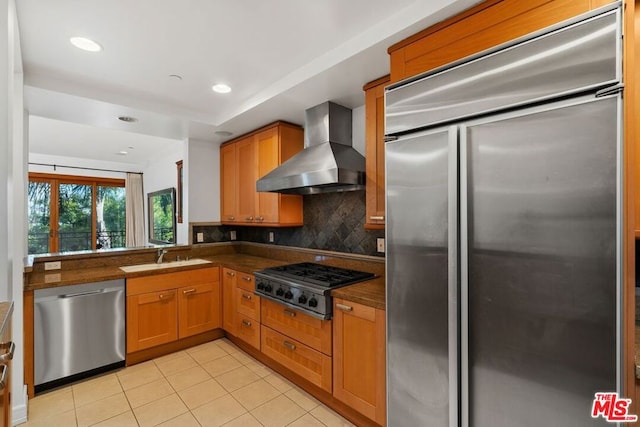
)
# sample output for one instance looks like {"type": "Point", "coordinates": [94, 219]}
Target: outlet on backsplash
{"type": "Point", "coordinates": [380, 244]}
{"type": "Point", "coordinates": [271, 237]}
{"type": "Point", "coordinates": [232, 235]}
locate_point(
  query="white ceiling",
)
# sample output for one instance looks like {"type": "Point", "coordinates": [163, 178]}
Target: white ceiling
{"type": "Point", "coordinates": [279, 56]}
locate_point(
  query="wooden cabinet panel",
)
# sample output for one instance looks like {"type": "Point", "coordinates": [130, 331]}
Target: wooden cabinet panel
{"type": "Point", "coordinates": [303, 360]}
{"type": "Point", "coordinates": [257, 154]}
{"type": "Point", "coordinates": [315, 333]}
{"type": "Point", "coordinates": [228, 300]}
{"type": "Point", "coordinates": [248, 329]}
{"type": "Point", "coordinates": [484, 26]}
{"type": "Point", "coordinates": [247, 304]}
{"type": "Point", "coordinates": [158, 282]}
{"type": "Point", "coordinates": [152, 319]}
{"type": "Point", "coordinates": [374, 136]}
{"type": "Point", "coordinates": [228, 183]}
{"type": "Point", "coordinates": [199, 309]}
{"type": "Point", "coordinates": [359, 363]}
{"type": "Point", "coordinates": [268, 159]}
{"type": "Point", "coordinates": [246, 180]}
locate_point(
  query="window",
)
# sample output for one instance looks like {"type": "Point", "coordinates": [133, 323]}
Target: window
{"type": "Point", "coordinates": [70, 213]}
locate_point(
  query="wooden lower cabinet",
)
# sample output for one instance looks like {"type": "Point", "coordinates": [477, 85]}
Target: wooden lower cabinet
{"type": "Point", "coordinates": [163, 308]}
{"type": "Point", "coordinates": [248, 330]}
{"type": "Point", "coordinates": [359, 359]}
{"type": "Point", "coordinates": [228, 300]}
{"type": "Point", "coordinates": [152, 319]}
{"type": "Point", "coordinates": [299, 358]}
{"type": "Point", "coordinates": [315, 333]}
{"type": "Point", "coordinates": [199, 309]}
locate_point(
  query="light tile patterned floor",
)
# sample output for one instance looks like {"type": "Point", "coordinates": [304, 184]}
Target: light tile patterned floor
{"type": "Point", "coordinates": [214, 384]}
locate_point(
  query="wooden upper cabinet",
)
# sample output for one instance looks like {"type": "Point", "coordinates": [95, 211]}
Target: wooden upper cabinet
{"type": "Point", "coordinates": [246, 180]}
{"type": "Point", "coordinates": [359, 358]}
{"type": "Point", "coordinates": [374, 138]}
{"type": "Point", "coordinates": [486, 25]}
{"type": "Point", "coordinates": [228, 183]}
{"type": "Point", "coordinates": [257, 154]}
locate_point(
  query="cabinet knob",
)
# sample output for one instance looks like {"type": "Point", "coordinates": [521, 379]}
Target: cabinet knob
{"type": "Point", "coordinates": [289, 312]}
{"type": "Point", "coordinates": [231, 273]}
{"type": "Point", "coordinates": [249, 218]}
{"type": "Point", "coordinates": [246, 278]}
{"type": "Point", "coordinates": [246, 296]}
{"type": "Point", "coordinates": [231, 218]}
{"type": "Point", "coordinates": [165, 296]}
{"type": "Point", "coordinates": [377, 217]}
{"type": "Point", "coordinates": [246, 323]}
{"type": "Point", "coordinates": [259, 218]}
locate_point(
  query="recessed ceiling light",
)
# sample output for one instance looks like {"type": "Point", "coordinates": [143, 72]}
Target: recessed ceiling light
{"type": "Point", "coordinates": [221, 88]}
{"type": "Point", "coordinates": [175, 76]}
{"type": "Point", "coordinates": [127, 119]}
{"type": "Point", "coordinates": [223, 133]}
{"type": "Point", "coordinates": [85, 44]}
{"type": "Point", "coordinates": [122, 153]}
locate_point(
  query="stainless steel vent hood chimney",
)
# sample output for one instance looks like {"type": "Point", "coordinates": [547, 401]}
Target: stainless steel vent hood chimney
{"type": "Point", "coordinates": [328, 162]}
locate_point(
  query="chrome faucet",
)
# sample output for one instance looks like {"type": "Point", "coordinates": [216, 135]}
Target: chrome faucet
{"type": "Point", "coordinates": [161, 253]}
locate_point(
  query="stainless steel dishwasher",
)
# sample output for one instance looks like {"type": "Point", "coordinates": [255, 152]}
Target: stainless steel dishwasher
{"type": "Point", "coordinates": [79, 331]}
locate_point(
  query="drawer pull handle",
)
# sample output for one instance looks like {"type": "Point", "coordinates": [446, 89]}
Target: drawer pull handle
{"type": "Point", "coordinates": [7, 355]}
{"type": "Point", "coordinates": [188, 291]}
{"type": "Point", "coordinates": [246, 278]}
{"type": "Point", "coordinates": [246, 323]}
{"type": "Point", "coordinates": [377, 217]}
{"type": "Point", "coordinates": [3, 377]}
{"type": "Point", "coordinates": [289, 313]}
{"type": "Point", "coordinates": [231, 273]}
{"type": "Point", "coordinates": [289, 345]}
{"type": "Point", "coordinates": [344, 307]}
{"type": "Point", "coordinates": [246, 296]}
{"type": "Point", "coordinates": [165, 296]}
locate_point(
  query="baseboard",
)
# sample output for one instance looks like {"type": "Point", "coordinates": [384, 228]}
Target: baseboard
{"type": "Point", "coordinates": [19, 412]}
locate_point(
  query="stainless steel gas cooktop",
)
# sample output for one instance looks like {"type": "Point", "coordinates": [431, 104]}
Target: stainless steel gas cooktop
{"type": "Point", "coordinates": [306, 286]}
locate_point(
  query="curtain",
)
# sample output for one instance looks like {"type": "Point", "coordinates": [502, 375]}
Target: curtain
{"type": "Point", "coordinates": [134, 210]}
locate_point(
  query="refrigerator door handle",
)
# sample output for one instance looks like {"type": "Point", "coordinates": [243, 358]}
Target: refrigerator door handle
{"type": "Point", "coordinates": [453, 282]}
{"type": "Point", "coordinates": [464, 282]}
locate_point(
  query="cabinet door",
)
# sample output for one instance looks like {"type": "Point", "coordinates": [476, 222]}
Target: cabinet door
{"type": "Point", "coordinates": [152, 319]}
{"type": "Point", "coordinates": [228, 183]}
{"type": "Point", "coordinates": [199, 309]}
{"type": "Point", "coordinates": [246, 180]}
{"type": "Point", "coordinates": [228, 300]}
{"type": "Point", "coordinates": [374, 135]}
{"type": "Point", "coordinates": [267, 144]}
{"type": "Point", "coordinates": [359, 358]}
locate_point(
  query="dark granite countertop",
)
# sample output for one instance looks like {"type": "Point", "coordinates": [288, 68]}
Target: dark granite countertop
{"type": "Point", "coordinates": [370, 293]}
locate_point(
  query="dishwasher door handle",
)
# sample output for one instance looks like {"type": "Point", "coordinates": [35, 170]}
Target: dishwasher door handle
{"type": "Point", "coordinates": [81, 294]}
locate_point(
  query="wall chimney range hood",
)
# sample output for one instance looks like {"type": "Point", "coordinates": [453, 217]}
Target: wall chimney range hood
{"type": "Point", "coordinates": [328, 162]}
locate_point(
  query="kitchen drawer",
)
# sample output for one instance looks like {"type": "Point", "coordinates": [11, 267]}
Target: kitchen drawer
{"type": "Point", "coordinates": [248, 330]}
{"type": "Point", "coordinates": [246, 281]}
{"type": "Point", "coordinates": [161, 281]}
{"type": "Point", "coordinates": [247, 303]}
{"type": "Point", "coordinates": [311, 331]}
{"type": "Point", "coordinates": [299, 358]}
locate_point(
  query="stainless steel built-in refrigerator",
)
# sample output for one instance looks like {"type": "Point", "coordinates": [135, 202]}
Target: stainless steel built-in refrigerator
{"type": "Point", "coordinates": [503, 233]}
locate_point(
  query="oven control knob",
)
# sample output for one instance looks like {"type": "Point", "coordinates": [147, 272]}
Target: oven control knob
{"type": "Point", "coordinates": [268, 288]}
{"type": "Point", "coordinates": [288, 295]}
{"type": "Point", "coordinates": [260, 286]}
{"type": "Point", "coordinates": [302, 299]}
{"type": "Point", "coordinates": [280, 292]}
{"type": "Point", "coordinates": [313, 302]}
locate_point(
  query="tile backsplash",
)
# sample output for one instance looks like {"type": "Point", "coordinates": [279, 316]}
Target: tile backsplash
{"type": "Point", "coordinates": [332, 221]}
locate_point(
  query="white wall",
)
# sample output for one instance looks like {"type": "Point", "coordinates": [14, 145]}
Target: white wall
{"type": "Point", "coordinates": [160, 173]}
{"type": "Point", "coordinates": [202, 181]}
{"type": "Point", "coordinates": [357, 129]}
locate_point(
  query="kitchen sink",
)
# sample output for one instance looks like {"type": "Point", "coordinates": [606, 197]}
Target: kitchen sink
{"type": "Point", "coordinates": [170, 264]}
